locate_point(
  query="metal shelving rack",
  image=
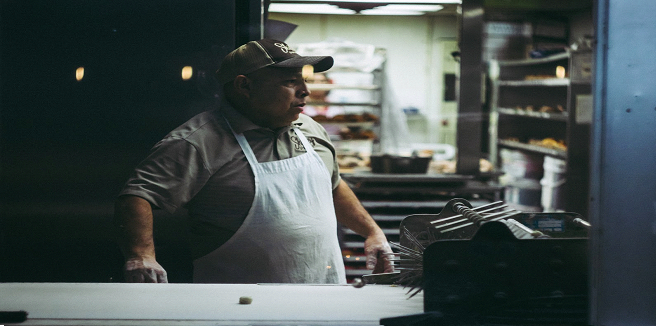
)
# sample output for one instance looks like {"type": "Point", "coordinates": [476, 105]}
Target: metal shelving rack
{"type": "Point", "coordinates": [556, 113]}
{"type": "Point", "coordinates": [373, 106]}
{"type": "Point", "coordinates": [390, 198]}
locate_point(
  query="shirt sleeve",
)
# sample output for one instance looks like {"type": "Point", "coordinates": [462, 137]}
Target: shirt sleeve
{"type": "Point", "coordinates": [335, 177]}
{"type": "Point", "coordinates": [170, 176]}
{"type": "Point", "coordinates": [316, 129]}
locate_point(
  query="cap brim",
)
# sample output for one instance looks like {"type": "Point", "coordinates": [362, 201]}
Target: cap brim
{"type": "Point", "coordinates": [320, 63]}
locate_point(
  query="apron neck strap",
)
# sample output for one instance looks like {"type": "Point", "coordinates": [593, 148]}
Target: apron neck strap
{"type": "Point", "coordinates": [243, 143]}
{"type": "Point", "coordinates": [246, 148]}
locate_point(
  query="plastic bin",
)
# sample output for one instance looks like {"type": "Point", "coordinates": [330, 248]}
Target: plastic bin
{"type": "Point", "coordinates": [553, 184]}
{"type": "Point", "coordinates": [521, 165]}
{"type": "Point", "coordinates": [524, 194]}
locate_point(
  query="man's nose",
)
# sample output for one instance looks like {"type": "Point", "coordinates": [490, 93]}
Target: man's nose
{"type": "Point", "coordinates": [304, 90]}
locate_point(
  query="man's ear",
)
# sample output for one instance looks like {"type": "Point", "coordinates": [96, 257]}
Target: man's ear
{"type": "Point", "coordinates": [242, 85]}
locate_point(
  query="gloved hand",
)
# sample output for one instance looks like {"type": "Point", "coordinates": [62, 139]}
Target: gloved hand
{"type": "Point", "coordinates": [144, 270]}
{"type": "Point", "coordinates": [378, 253]}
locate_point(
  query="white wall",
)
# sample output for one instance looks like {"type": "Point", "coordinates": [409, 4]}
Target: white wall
{"type": "Point", "coordinates": [415, 56]}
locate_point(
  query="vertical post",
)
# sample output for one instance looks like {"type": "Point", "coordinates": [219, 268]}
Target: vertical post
{"type": "Point", "coordinates": [249, 21]}
{"type": "Point", "coordinates": [623, 169]}
{"type": "Point", "coordinates": [470, 115]}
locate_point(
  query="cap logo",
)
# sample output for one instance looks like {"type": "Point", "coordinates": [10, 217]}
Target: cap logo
{"type": "Point", "coordinates": [284, 48]}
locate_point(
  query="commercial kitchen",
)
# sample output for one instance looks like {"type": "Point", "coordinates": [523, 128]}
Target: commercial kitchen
{"type": "Point", "coordinates": [504, 147]}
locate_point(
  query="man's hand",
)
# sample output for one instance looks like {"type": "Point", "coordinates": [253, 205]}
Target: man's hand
{"type": "Point", "coordinates": [352, 214]}
{"type": "Point", "coordinates": [378, 253]}
{"type": "Point", "coordinates": [144, 270]}
{"type": "Point", "coordinates": [133, 218]}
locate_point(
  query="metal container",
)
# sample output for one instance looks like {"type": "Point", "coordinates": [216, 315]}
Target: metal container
{"type": "Point", "coordinates": [399, 164]}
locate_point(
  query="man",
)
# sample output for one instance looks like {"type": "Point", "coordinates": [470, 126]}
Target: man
{"type": "Point", "coordinates": [259, 179]}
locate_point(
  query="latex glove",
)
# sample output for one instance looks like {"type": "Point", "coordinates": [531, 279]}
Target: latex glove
{"type": "Point", "coordinates": [377, 249]}
{"type": "Point", "coordinates": [144, 270]}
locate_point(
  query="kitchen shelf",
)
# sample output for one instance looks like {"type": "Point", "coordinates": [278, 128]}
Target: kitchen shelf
{"type": "Point", "coordinates": [321, 103]}
{"type": "Point", "coordinates": [329, 87]}
{"type": "Point", "coordinates": [414, 178]}
{"type": "Point", "coordinates": [355, 88]}
{"type": "Point", "coordinates": [368, 124]}
{"type": "Point", "coordinates": [409, 205]}
{"type": "Point", "coordinates": [520, 89]}
{"type": "Point", "coordinates": [354, 244]}
{"type": "Point", "coordinates": [534, 148]}
{"type": "Point", "coordinates": [564, 56]}
{"type": "Point", "coordinates": [388, 218]}
{"type": "Point", "coordinates": [549, 82]}
{"type": "Point", "coordinates": [559, 116]}
{"type": "Point", "coordinates": [355, 258]}
{"type": "Point", "coordinates": [352, 140]}
{"type": "Point", "coordinates": [390, 198]}
{"type": "Point", "coordinates": [357, 272]}
{"type": "Point", "coordinates": [386, 231]}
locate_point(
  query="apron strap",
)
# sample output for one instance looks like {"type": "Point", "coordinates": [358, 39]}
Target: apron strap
{"type": "Point", "coordinates": [245, 147]}
{"type": "Point", "coordinates": [248, 152]}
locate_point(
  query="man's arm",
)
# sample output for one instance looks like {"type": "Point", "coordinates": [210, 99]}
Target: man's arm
{"type": "Point", "coordinates": [352, 214]}
{"type": "Point", "coordinates": [133, 218]}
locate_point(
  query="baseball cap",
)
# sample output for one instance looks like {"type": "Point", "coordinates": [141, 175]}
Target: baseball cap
{"type": "Point", "coordinates": [262, 53]}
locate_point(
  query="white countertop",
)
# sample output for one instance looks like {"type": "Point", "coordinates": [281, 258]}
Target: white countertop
{"type": "Point", "coordinates": [205, 304]}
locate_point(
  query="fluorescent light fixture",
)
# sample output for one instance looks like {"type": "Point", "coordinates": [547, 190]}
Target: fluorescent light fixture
{"type": "Point", "coordinates": [309, 8]}
{"type": "Point", "coordinates": [396, 9]}
{"type": "Point", "coordinates": [424, 8]}
{"type": "Point", "coordinates": [390, 9]}
{"type": "Point", "coordinates": [389, 2]}
{"type": "Point", "coordinates": [377, 12]}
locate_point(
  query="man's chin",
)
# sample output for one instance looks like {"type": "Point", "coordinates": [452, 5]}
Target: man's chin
{"type": "Point", "coordinates": [283, 123]}
{"type": "Point", "coordinates": [294, 117]}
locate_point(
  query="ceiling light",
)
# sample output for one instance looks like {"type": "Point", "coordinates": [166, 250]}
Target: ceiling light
{"type": "Point", "coordinates": [424, 8]}
{"type": "Point", "coordinates": [390, 9]}
{"type": "Point", "coordinates": [397, 9]}
{"type": "Point", "coordinates": [377, 1]}
{"type": "Point", "coordinates": [379, 12]}
{"type": "Point", "coordinates": [309, 8]}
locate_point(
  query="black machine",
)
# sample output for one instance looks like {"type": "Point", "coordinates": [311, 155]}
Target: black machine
{"type": "Point", "coordinates": [492, 265]}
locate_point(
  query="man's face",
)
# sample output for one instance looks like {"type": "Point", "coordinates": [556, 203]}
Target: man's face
{"type": "Point", "coordinates": [277, 96]}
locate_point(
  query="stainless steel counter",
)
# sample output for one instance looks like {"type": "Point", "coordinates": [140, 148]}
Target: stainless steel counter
{"type": "Point", "coordinates": [205, 304]}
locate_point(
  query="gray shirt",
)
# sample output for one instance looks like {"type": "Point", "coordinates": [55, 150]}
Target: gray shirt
{"type": "Point", "coordinates": [200, 166]}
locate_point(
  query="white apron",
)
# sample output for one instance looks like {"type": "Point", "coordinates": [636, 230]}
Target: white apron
{"type": "Point", "coordinates": [289, 234]}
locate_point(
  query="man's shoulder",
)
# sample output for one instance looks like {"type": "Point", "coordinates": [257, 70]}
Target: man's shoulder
{"type": "Point", "coordinates": [306, 123]}
{"type": "Point", "coordinates": [206, 131]}
{"type": "Point", "coordinates": [207, 135]}
{"type": "Point", "coordinates": [314, 130]}
{"type": "Point", "coordinates": [203, 125]}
